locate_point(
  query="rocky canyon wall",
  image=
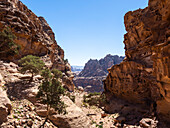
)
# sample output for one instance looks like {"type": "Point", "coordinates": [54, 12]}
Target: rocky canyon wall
{"type": "Point", "coordinates": [34, 36]}
{"type": "Point", "coordinates": [144, 76]}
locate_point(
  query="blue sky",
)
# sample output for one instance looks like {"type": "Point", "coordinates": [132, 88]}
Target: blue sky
{"type": "Point", "coordinates": [86, 28]}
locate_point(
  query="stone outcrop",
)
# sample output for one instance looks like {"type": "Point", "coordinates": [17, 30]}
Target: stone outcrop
{"type": "Point", "coordinates": [144, 76]}
{"type": "Point", "coordinates": [75, 117]}
{"type": "Point", "coordinates": [34, 36]}
{"type": "Point", "coordinates": [94, 72]}
{"type": "Point", "coordinates": [5, 104]}
{"type": "Point", "coordinates": [18, 89]}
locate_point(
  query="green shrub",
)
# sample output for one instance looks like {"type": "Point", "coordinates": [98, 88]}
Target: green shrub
{"type": "Point", "coordinates": [51, 90]}
{"type": "Point", "coordinates": [31, 64]}
{"type": "Point", "coordinates": [96, 99]}
{"type": "Point", "coordinates": [7, 44]}
{"type": "Point", "coordinates": [100, 125]}
{"type": "Point", "coordinates": [65, 60]}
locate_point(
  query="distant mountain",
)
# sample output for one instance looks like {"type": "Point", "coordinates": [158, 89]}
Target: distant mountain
{"type": "Point", "coordinates": [90, 78]}
{"type": "Point", "coordinates": [96, 67]}
{"type": "Point", "coordinates": [76, 69]}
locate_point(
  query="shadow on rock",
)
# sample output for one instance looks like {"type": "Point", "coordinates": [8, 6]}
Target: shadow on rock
{"type": "Point", "coordinates": [20, 89]}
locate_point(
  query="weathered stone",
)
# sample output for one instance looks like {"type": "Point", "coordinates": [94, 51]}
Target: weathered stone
{"type": "Point", "coordinates": [144, 76]}
{"type": "Point", "coordinates": [120, 119]}
{"type": "Point", "coordinates": [29, 122]}
{"type": "Point", "coordinates": [148, 123]}
{"type": "Point", "coordinates": [5, 106]}
{"type": "Point", "coordinates": [75, 117]}
{"type": "Point", "coordinates": [34, 36]}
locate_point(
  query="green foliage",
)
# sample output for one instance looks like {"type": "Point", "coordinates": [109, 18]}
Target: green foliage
{"type": "Point", "coordinates": [100, 125]}
{"type": "Point", "coordinates": [93, 94]}
{"type": "Point", "coordinates": [31, 64]}
{"type": "Point", "coordinates": [95, 99]}
{"type": "Point", "coordinates": [65, 60]}
{"type": "Point", "coordinates": [50, 91]}
{"type": "Point", "coordinates": [7, 44]}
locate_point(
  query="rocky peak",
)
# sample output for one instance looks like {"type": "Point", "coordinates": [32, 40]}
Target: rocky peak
{"type": "Point", "coordinates": [92, 68]}
{"type": "Point", "coordinates": [95, 71]}
{"type": "Point", "coordinates": [110, 60]}
{"type": "Point", "coordinates": [99, 67]}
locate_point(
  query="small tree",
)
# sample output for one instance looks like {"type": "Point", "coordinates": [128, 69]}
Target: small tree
{"type": "Point", "coordinates": [31, 64]}
{"type": "Point", "coordinates": [50, 91]}
{"type": "Point", "coordinates": [7, 44]}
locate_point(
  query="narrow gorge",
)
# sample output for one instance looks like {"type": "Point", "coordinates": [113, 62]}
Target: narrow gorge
{"type": "Point", "coordinates": [131, 91]}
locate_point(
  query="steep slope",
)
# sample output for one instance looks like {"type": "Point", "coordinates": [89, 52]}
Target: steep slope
{"type": "Point", "coordinates": [34, 36]}
{"type": "Point", "coordinates": [94, 72]}
{"type": "Point", "coordinates": [144, 76]}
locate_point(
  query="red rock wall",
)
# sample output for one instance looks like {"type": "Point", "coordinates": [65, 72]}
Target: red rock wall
{"type": "Point", "coordinates": [35, 37]}
{"type": "Point", "coordinates": [144, 76]}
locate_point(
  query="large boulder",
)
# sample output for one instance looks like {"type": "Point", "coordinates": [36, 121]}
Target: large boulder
{"type": "Point", "coordinates": [5, 104]}
{"type": "Point", "coordinates": [75, 117]}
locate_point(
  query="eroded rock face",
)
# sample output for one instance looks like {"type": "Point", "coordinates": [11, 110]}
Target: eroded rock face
{"type": "Point", "coordinates": [94, 72]}
{"type": "Point", "coordinates": [144, 76]}
{"type": "Point", "coordinates": [5, 104]}
{"type": "Point", "coordinates": [35, 37]}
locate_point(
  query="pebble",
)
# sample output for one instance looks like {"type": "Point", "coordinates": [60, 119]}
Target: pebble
{"type": "Point", "coordinates": [27, 116]}
{"type": "Point", "coordinates": [16, 122]}
{"type": "Point", "coordinates": [32, 116]}
{"type": "Point", "coordinates": [23, 121]}
{"type": "Point", "coordinates": [38, 118]}
{"type": "Point", "coordinates": [30, 123]}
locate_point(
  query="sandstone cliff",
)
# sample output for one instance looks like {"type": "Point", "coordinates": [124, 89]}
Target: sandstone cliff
{"type": "Point", "coordinates": [94, 72]}
{"type": "Point", "coordinates": [144, 76]}
{"type": "Point", "coordinates": [34, 36]}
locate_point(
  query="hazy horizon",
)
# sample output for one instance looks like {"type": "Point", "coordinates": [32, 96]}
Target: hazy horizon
{"type": "Point", "coordinates": [86, 29]}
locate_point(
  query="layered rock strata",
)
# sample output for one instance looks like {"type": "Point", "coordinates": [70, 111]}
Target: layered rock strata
{"type": "Point", "coordinates": [34, 36]}
{"type": "Point", "coordinates": [90, 78]}
{"type": "Point", "coordinates": [144, 76]}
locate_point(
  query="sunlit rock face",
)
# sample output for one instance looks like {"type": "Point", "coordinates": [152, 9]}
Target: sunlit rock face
{"type": "Point", "coordinates": [144, 76]}
{"type": "Point", "coordinates": [34, 36]}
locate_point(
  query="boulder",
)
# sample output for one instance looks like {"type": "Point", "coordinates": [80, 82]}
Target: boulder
{"type": "Point", "coordinates": [5, 106]}
{"type": "Point", "coordinates": [75, 117]}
